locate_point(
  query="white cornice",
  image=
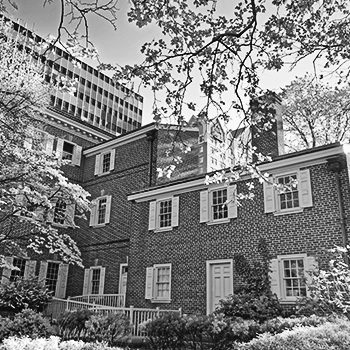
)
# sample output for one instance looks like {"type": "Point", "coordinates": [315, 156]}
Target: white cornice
{"type": "Point", "coordinates": [298, 161]}
{"type": "Point", "coordinates": [78, 126]}
{"type": "Point", "coordinates": [120, 140]}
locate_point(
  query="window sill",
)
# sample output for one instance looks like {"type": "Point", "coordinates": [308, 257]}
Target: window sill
{"type": "Point", "coordinates": [103, 174]}
{"type": "Point", "coordinates": [163, 229]}
{"type": "Point", "coordinates": [98, 225]}
{"type": "Point", "coordinates": [218, 222]}
{"type": "Point", "coordinates": [286, 212]}
{"type": "Point", "coordinates": [157, 301]}
{"type": "Point", "coordinates": [286, 302]}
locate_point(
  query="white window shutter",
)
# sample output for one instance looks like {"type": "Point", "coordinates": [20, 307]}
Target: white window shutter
{"type": "Point", "coordinates": [49, 144]}
{"type": "Point", "coordinates": [232, 198]}
{"type": "Point", "coordinates": [93, 214]}
{"type": "Point", "coordinates": [152, 215]}
{"type": "Point", "coordinates": [175, 211]}
{"type": "Point", "coordinates": [6, 273]}
{"type": "Point", "coordinates": [43, 272]}
{"type": "Point", "coordinates": [305, 191]}
{"type": "Point", "coordinates": [275, 278]}
{"type": "Point", "coordinates": [108, 209]}
{"type": "Point", "coordinates": [86, 281]}
{"type": "Point", "coordinates": [59, 148]}
{"type": "Point", "coordinates": [69, 215]}
{"type": "Point", "coordinates": [311, 265]}
{"type": "Point", "coordinates": [29, 270]}
{"type": "Point", "coordinates": [269, 197]}
{"type": "Point", "coordinates": [97, 164]}
{"type": "Point", "coordinates": [19, 204]}
{"type": "Point", "coordinates": [204, 217]}
{"type": "Point", "coordinates": [149, 283]}
{"type": "Point", "coordinates": [112, 159]}
{"type": "Point", "coordinates": [39, 212]}
{"type": "Point", "coordinates": [51, 213]}
{"type": "Point", "coordinates": [28, 142]}
{"type": "Point", "coordinates": [102, 281]}
{"type": "Point", "coordinates": [62, 281]}
{"type": "Point", "coordinates": [76, 160]}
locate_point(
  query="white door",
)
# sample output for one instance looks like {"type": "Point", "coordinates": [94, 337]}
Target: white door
{"type": "Point", "coordinates": [219, 281]}
{"type": "Point", "coordinates": [123, 278]}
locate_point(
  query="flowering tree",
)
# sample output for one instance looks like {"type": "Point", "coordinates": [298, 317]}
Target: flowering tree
{"type": "Point", "coordinates": [315, 113]}
{"type": "Point", "coordinates": [29, 177]}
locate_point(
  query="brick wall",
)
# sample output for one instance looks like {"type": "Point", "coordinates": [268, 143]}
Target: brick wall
{"type": "Point", "coordinates": [188, 246]}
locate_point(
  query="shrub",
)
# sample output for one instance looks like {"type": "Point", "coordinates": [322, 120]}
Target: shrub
{"type": "Point", "coordinates": [53, 343]}
{"type": "Point", "coordinates": [28, 323]}
{"type": "Point", "coordinates": [89, 325]}
{"type": "Point", "coordinates": [330, 335]}
{"type": "Point", "coordinates": [329, 288]}
{"type": "Point", "coordinates": [22, 294]}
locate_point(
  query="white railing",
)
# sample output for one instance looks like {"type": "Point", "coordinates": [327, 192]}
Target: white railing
{"type": "Point", "coordinates": [116, 300]}
{"type": "Point", "coordinates": [136, 315]}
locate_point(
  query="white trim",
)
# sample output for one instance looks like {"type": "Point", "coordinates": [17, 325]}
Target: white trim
{"type": "Point", "coordinates": [155, 268]}
{"type": "Point", "coordinates": [209, 263]}
{"type": "Point", "coordinates": [119, 141]}
{"type": "Point", "coordinates": [121, 265]}
{"type": "Point", "coordinates": [289, 164]}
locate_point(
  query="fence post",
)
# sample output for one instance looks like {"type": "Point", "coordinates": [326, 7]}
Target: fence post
{"type": "Point", "coordinates": [180, 312]}
{"type": "Point", "coordinates": [157, 308]}
{"type": "Point", "coordinates": [89, 298]}
{"type": "Point", "coordinates": [67, 307]}
{"type": "Point", "coordinates": [131, 314]}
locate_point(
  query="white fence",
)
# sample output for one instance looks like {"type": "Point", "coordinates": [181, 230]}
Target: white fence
{"type": "Point", "coordinates": [136, 315]}
{"type": "Point", "coordinates": [116, 300]}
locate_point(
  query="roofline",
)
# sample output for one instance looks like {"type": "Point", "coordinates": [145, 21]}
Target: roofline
{"type": "Point", "coordinates": [309, 157]}
{"type": "Point", "coordinates": [120, 140]}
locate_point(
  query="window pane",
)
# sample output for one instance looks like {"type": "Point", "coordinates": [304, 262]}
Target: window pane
{"type": "Point", "coordinates": [52, 276]}
{"type": "Point", "coordinates": [165, 209]}
{"type": "Point", "coordinates": [218, 206]}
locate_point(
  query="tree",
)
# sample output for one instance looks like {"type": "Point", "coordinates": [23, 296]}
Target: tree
{"type": "Point", "coordinates": [315, 113]}
{"type": "Point", "coordinates": [29, 178]}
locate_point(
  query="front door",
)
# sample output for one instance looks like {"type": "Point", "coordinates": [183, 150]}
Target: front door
{"type": "Point", "coordinates": [219, 282]}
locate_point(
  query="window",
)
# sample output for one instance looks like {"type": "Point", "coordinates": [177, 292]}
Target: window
{"type": "Point", "coordinates": [158, 283]}
{"type": "Point", "coordinates": [218, 204]}
{"type": "Point", "coordinates": [39, 139]}
{"type": "Point", "coordinates": [55, 275]}
{"type": "Point", "coordinates": [104, 162]}
{"type": "Point", "coordinates": [94, 279]}
{"type": "Point", "coordinates": [62, 213]}
{"type": "Point", "coordinates": [20, 264]}
{"type": "Point", "coordinates": [70, 151]}
{"type": "Point", "coordinates": [164, 214]}
{"type": "Point", "coordinates": [288, 193]}
{"type": "Point", "coordinates": [289, 274]}
{"type": "Point", "coordinates": [25, 269]}
{"type": "Point", "coordinates": [101, 210]}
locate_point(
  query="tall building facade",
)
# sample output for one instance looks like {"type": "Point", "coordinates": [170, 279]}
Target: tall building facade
{"type": "Point", "coordinates": [99, 100]}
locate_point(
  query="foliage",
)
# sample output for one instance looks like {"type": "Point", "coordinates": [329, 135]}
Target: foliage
{"type": "Point", "coordinates": [329, 288]}
{"type": "Point", "coordinates": [26, 323]}
{"type": "Point", "coordinates": [315, 113]}
{"type": "Point", "coordinates": [215, 331]}
{"type": "Point", "coordinates": [52, 343]}
{"type": "Point", "coordinates": [24, 293]}
{"type": "Point", "coordinates": [91, 326]}
{"type": "Point", "coordinates": [253, 299]}
{"type": "Point", "coordinates": [29, 178]}
{"type": "Point", "coordinates": [330, 335]}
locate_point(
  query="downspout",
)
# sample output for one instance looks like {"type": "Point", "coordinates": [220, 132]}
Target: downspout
{"type": "Point", "coordinates": [150, 139]}
{"type": "Point", "coordinates": [335, 166]}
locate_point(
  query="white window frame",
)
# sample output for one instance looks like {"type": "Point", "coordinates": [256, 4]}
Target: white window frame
{"type": "Point", "coordinates": [99, 162]}
{"type": "Point", "coordinates": [69, 213]}
{"type": "Point", "coordinates": [277, 278]}
{"type": "Point", "coordinates": [154, 214]}
{"type": "Point", "coordinates": [77, 151]}
{"type": "Point", "coordinates": [206, 203]}
{"type": "Point", "coordinates": [49, 140]}
{"type": "Point", "coordinates": [95, 211]}
{"type": "Point", "coordinates": [272, 196]}
{"type": "Point", "coordinates": [88, 273]}
{"type": "Point", "coordinates": [151, 275]}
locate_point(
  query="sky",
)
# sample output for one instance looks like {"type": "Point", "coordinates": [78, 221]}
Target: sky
{"type": "Point", "coordinates": [123, 45]}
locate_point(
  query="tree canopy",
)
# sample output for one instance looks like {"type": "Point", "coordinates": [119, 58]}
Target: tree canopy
{"type": "Point", "coordinates": [30, 178]}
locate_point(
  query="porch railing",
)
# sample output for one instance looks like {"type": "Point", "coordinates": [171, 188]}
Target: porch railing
{"type": "Point", "coordinates": [116, 300]}
{"type": "Point", "coordinates": [136, 315]}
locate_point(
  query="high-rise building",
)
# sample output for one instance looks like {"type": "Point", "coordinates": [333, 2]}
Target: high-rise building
{"type": "Point", "coordinates": [99, 100]}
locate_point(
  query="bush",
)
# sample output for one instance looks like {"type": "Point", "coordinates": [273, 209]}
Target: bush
{"type": "Point", "coordinates": [53, 343]}
{"type": "Point", "coordinates": [26, 323]}
{"type": "Point", "coordinates": [22, 294]}
{"type": "Point", "coordinates": [91, 326]}
{"type": "Point", "coordinates": [331, 335]}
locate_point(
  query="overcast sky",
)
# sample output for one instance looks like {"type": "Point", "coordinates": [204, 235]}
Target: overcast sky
{"type": "Point", "coordinates": [121, 46]}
